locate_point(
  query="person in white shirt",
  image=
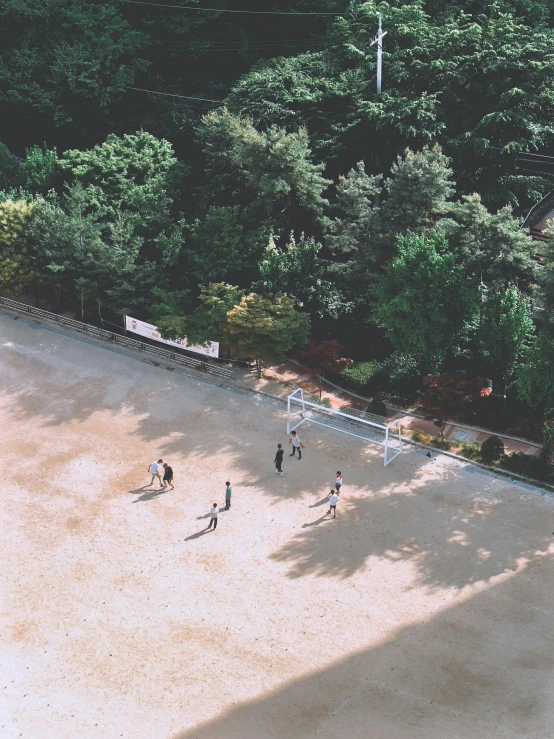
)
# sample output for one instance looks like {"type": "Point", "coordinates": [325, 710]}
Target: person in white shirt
{"type": "Point", "coordinates": [297, 445]}
{"type": "Point", "coordinates": [214, 515]}
{"type": "Point", "coordinates": [333, 500]}
{"type": "Point", "coordinates": [155, 470]}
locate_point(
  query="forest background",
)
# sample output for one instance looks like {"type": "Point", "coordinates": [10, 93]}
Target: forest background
{"type": "Point", "coordinates": [232, 174]}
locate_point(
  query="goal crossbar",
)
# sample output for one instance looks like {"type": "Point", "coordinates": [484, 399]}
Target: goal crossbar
{"type": "Point", "coordinates": [304, 408]}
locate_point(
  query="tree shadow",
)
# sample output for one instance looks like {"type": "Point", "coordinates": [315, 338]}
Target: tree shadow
{"type": "Point", "coordinates": [479, 669]}
{"type": "Point", "coordinates": [452, 540]}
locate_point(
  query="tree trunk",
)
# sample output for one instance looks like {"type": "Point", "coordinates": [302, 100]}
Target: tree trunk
{"type": "Point", "coordinates": [259, 368]}
{"type": "Point", "coordinates": [82, 307]}
{"type": "Point", "coordinates": [57, 293]}
{"type": "Point", "coordinates": [320, 388]}
{"type": "Point", "coordinates": [100, 313]}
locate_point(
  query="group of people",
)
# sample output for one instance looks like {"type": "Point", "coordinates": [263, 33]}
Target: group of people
{"type": "Point", "coordinates": [166, 479]}
{"type": "Point", "coordinates": [156, 469]}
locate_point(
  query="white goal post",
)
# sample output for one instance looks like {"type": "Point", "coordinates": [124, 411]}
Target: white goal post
{"type": "Point", "coordinates": [362, 425]}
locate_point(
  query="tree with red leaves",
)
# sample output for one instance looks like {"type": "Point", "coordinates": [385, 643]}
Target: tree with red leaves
{"type": "Point", "coordinates": [446, 395]}
{"type": "Point", "coordinates": [324, 357]}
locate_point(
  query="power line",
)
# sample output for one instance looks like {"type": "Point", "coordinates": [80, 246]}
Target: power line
{"type": "Point", "coordinates": [173, 95]}
{"type": "Point", "coordinates": [207, 50]}
{"type": "Point", "coordinates": [225, 10]}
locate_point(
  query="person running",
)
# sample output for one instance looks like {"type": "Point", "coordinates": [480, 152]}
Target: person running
{"type": "Point", "coordinates": [338, 482]}
{"type": "Point", "coordinates": [278, 461]}
{"type": "Point", "coordinates": [333, 500]}
{"type": "Point", "coordinates": [168, 476]}
{"type": "Point", "coordinates": [228, 493]}
{"type": "Point", "coordinates": [155, 470]}
{"type": "Point", "coordinates": [214, 514]}
{"type": "Point", "coordinates": [297, 445]}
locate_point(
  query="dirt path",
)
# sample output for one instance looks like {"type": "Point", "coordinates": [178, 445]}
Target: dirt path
{"type": "Point", "coordinates": [423, 611]}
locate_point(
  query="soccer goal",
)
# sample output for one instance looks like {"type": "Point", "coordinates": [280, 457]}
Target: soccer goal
{"type": "Point", "coordinates": [302, 408]}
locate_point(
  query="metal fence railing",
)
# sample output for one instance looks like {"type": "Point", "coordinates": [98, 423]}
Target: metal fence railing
{"type": "Point", "coordinates": [87, 328]}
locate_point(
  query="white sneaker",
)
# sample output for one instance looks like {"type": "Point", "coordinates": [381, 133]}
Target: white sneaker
{"type": "Point", "coordinates": [281, 473]}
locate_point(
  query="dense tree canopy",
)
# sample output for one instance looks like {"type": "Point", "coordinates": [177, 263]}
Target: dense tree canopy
{"type": "Point", "coordinates": [263, 191]}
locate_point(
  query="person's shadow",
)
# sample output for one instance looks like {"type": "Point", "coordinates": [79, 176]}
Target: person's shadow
{"type": "Point", "coordinates": [150, 494]}
{"type": "Point", "coordinates": [320, 502]}
{"type": "Point", "coordinates": [198, 534]}
{"type": "Point", "coordinates": [314, 523]}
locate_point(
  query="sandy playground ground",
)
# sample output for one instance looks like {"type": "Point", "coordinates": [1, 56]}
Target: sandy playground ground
{"type": "Point", "coordinates": [424, 611]}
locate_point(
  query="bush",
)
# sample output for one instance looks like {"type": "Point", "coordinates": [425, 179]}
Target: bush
{"type": "Point", "coordinates": [399, 374]}
{"type": "Point", "coordinates": [441, 443]}
{"type": "Point", "coordinates": [360, 376]}
{"type": "Point", "coordinates": [326, 401]}
{"type": "Point", "coordinates": [527, 465]}
{"type": "Point", "coordinates": [472, 450]}
{"type": "Point", "coordinates": [421, 437]}
{"type": "Point", "coordinates": [377, 407]}
{"type": "Point", "coordinates": [492, 449]}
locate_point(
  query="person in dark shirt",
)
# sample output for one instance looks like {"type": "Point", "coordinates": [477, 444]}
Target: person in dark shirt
{"type": "Point", "coordinates": [168, 476]}
{"type": "Point", "coordinates": [279, 460]}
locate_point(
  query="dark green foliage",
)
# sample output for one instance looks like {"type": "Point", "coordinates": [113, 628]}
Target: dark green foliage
{"type": "Point", "coordinates": [492, 449]}
{"type": "Point", "coordinates": [399, 374]}
{"type": "Point", "coordinates": [377, 406]}
{"type": "Point", "coordinates": [418, 188]}
{"type": "Point", "coordinates": [425, 299]}
{"type": "Point", "coordinates": [472, 450]}
{"type": "Point", "coordinates": [535, 374]}
{"type": "Point", "coordinates": [361, 376]}
{"type": "Point", "coordinates": [527, 465]}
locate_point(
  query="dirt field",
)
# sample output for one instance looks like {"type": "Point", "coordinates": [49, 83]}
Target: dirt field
{"type": "Point", "coordinates": [424, 611]}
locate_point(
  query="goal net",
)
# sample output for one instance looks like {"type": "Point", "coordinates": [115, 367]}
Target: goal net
{"type": "Point", "coordinates": [303, 407]}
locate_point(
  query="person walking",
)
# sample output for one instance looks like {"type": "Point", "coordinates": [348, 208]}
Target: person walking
{"type": "Point", "coordinates": [168, 476]}
{"type": "Point", "coordinates": [333, 500]}
{"type": "Point", "coordinates": [297, 445]}
{"type": "Point", "coordinates": [278, 461]}
{"type": "Point", "coordinates": [338, 482]}
{"type": "Point", "coordinates": [214, 515]}
{"type": "Point", "coordinates": [228, 493]}
{"type": "Point", "coordinates": [155, 470]}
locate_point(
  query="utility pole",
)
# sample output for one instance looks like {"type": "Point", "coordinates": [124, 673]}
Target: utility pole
{"type": "Point", "coordinates": [379, 41]}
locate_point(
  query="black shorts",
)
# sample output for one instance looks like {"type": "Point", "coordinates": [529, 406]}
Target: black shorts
{"type": "Point", "coordinates": [168, 478]}
{"type": "Point", "coordinates": [332, 507]}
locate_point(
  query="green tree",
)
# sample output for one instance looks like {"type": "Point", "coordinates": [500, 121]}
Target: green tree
{"type": "Point", "coordinates": [354, 233]}
{"type": "Point", "coordinates": [296, 271]}
{"type": "Point", "coordinates": [269, 173]}
{"type": "Point", "coordinates": [425, 299]}
{"type": "Point", "coordinates": [209, 319]}
{"type": "Point", "coordinates": [535, 374]}
{"type": "Point", "coordinates": [492, 246]}
{"type": "Point", "coordinates": [418, 189]}
{"type": "Point", "coordinates": [16, 268]}
{"type": "Point", "coordinates": [265, 327]}
{"type": "Point", "coordinates": [67, 63]}
{"type": "Point", "coordinates": [222, 247]}
{"type": "Point", "coordinates": [505, 328]}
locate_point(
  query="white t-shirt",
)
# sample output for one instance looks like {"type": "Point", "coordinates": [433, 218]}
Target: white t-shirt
{"type": "Point", "coordinates": [338, 481]}
{"type": "Point", "coordinates": [154, 468]}
{"type": "Point", "coordinates": [334, 499]}
{"type": "Point", "coordinates": [214, 512]}
{"type": "Point", "coordinates": [296, 440]}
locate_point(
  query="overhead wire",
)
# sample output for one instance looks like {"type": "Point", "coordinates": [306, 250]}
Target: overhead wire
{"type": "Point", "coordinates": [174, 95]}
{"type": "Point", "coordinates": [226, 10]}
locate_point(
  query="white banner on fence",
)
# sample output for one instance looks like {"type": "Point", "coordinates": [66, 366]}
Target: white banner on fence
{"type": "Point", "coordinates": [147, 329]}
